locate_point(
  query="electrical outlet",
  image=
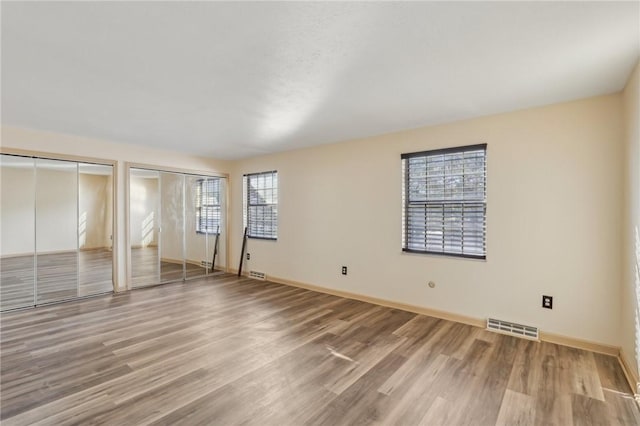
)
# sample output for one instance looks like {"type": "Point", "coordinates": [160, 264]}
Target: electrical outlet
{"type": "Point", "coordinates": [547, 302]}
{"type": "Point", "coordinates": [248, 256]}
{"type": "Point", "coordinates": [344, 270]}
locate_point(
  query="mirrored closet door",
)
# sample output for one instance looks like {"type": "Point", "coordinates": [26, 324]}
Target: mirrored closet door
{"type": "Point", "coordinates": [17, 227]}
{"type": "Point", "coordinates": [95, 229]}
{"type": "Point", "coordinates": [56, 230]}
{"type": "Point", "coordinates": [57, 224]}
{"type": "Point", "coordinates": [176, 226]}
{"type": "Point", "coordinates": [204, 223]}
{"type": "Point", "coordinates": [172, 257]}
{"type": "Point", "coordinates": [144, 226]}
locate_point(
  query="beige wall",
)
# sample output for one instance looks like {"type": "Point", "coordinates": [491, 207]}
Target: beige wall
{"type": "Point", "coordinates": [554, 197]}
{"type": "Point", "coordinates": [55, 216]}
{"type": "Point", "coordinates": [55, 143]}
{"type": "Point", "coordinates": [57, 210]}
{"type": "Point", "coordinates": [94, 209]}
{"type": "Point", "coordinates": [631, 222]}
{"type": "Point", "coordinates": [144, 212]}
{"type": "Point", "coordinates": [172, 216]}
{"type": "Point", "coordinates": [17, 210]}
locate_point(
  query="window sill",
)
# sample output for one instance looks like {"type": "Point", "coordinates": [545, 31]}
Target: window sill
{"type": "Point", "coordinates": [262, 238]}
{"type": "Point", "coordinates": [450, 255]}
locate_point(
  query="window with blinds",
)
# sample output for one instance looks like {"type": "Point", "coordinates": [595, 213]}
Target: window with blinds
{"type": "Point", "coordinates": [445, 201]}
{"type": "Point", "coordinates": [261, 205]}
{"type": "Point", "coordinates": [208, 206]}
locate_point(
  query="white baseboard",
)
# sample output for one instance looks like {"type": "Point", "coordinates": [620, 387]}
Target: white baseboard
{"type": "Point", "coordinates": [477, 322]}
{"type": "Point", "coordinates": [630, 374]}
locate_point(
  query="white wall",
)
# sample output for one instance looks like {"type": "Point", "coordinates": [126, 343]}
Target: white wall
{"type": "Point", "coordinates": [55, 143]}
{"type": "Point", "coordinates": [631, 223]}
{"type": "Point", "coordinates": [554, 197]}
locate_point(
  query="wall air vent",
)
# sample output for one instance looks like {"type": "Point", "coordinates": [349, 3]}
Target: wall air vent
{"type": "Point", "coordinates": [512, 329]}
{"type": "Point", "coordinates": [257, 275]}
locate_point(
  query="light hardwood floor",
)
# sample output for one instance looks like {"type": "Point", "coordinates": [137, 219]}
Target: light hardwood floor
{"type": "Point", "coordinates": [74, 274]}
{"type": "Point", "coordinates": [148, 270]}
{"type": "Point", "coordinates": [226, 351]}
{"type": "Point", "coordinates": [60, 276]}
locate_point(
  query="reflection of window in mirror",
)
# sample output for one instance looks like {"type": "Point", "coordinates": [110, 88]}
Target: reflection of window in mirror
{"type": "Point", "coordinates": [208, 206]}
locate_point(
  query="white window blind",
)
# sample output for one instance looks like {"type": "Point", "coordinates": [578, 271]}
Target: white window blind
{"type": "Point", "coordinates": [208, 206]}
{"type": "Point", "coordinates": [445, 201]}
{"type": "Point", "coordinates": [261, 205]}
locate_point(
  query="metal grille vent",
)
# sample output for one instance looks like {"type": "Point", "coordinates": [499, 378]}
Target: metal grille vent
{"type": "Point", "coordinates": [513, 329]}
{"type": "Point", "coordinates": [257, 275]}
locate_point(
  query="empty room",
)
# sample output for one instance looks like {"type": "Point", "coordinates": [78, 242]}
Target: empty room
{"type": "Point", "coordinates": [320, 213]}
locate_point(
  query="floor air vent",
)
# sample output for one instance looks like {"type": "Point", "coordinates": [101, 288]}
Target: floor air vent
{"type": "Point", "coordinates": [513, 329]}
{"type": "Point", "coordinates": [257, 275]}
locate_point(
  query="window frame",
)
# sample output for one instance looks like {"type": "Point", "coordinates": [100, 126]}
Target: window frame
{"type": "Point", "coordinates": [201, 205]}
{"type": "Point", "coordinates": [406, 201]}
{"type": "Point", "coordinates": [247, 203]}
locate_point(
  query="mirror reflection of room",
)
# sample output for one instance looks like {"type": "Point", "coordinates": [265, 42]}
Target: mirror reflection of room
{"type": "Point", "coordinates": [17, 215]}
{"type": "Point", "coordinates": [176, 226]}
{"type": "Point", "coordinates": [172, 259]}
{"type": "Point", "coordinates": [203, 224]}
{"type": "Point", "coordinates": [95, 228]}
{"type": "Point", "coordinates": [57, 219]}
{"type": "Point", "coordinates": [56, 230]}
{"type": "Point", "coordinates": [144, 206]}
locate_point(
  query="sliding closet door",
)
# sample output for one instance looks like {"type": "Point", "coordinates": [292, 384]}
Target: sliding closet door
{"type": "Point", "coordinates": [181, 217]}
{"type": "Point", "coordinates": [172, 257]}
{"type": "Point", "coordinates": [56, 230]}
{"type": "Point", "coordinates": [221, 258]}
{"type": "Point", "coordinates": [204, 225]}
{"type": "Point", "coordinates": [17, 215]}
{"type": "Point", "coordinates": [217, 244]}
{"type": "Point", "coordinates": [144, 226]}
{"type": "Point", "coordinates": [95, 229]}
{"type": "Point", "coordinates": [197, 226]}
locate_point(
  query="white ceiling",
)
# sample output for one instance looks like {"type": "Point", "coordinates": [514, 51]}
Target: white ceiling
{"type": "Point", "coordinates": [233, 80]}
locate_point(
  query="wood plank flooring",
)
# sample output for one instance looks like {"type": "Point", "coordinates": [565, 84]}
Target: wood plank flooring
{"type": "Point", "coordinates": [69, 275]}
{"type": "Point", "coordinates": [228, 351]}
{"type": "Point", "coordinates": [148, 270]}
{"type": "Point", "coordinates": [60, 276]}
